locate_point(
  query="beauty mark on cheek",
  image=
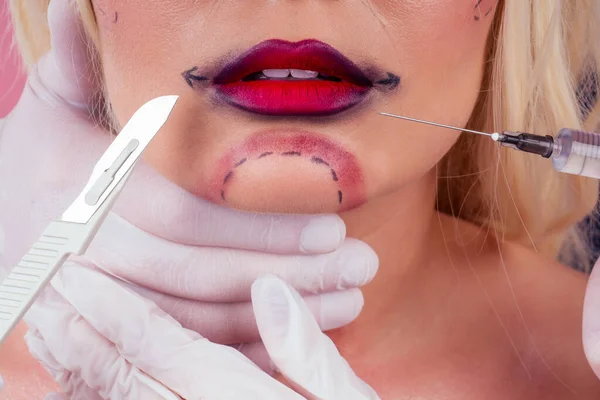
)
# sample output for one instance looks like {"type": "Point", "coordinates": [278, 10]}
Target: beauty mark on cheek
{"type": "Point", "coordinates": [483, 8]}
{"type": "Point", "coordinates": [100, 12]}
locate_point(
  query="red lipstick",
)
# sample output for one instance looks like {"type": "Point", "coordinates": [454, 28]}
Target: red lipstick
{"type": "Point", "coordinates": [281, 78]}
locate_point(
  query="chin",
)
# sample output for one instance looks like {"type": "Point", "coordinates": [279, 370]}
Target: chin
{"type": "Point", "coordinates": [287, 171]}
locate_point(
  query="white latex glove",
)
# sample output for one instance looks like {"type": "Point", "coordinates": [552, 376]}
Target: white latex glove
{"type": "Point", "coordinates": [117, 339]}
{"type": "Point", "coordinates": [591, 320]}
{"type": "Point", "coordinates": [197, 261]}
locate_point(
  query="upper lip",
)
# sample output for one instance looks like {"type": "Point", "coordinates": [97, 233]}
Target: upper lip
{"type": "Point", "coordinates": [308, 54]}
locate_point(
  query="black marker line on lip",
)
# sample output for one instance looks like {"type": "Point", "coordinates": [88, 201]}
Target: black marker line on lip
{"type": "Point", "coordinates": [390, 82]}
{"type": "Point", "coordinates": [308, 54]}
{"type": "Point", "coordinates": [190, 77]}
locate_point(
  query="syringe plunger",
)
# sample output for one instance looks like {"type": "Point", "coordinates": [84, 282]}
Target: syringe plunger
{"type": "Point", "coordinates": [577, 152]}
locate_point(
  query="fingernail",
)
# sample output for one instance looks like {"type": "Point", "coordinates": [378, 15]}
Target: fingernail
{"type": "Point", "coordinates": [323, 234]}
{"type": "Point", "coordinates": [592, 346]}
{"type": "Point", "coordinates": [358, 265]}
{"type": "Point", "coordinates": [274, 301]}
{"type": "Point", "coordinates": [338, 309]}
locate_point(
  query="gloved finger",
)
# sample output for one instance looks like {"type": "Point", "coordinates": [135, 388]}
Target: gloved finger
{"type": "Point", "coordinates": [591, 320]}
{"type": "Point", "coordinates": [227, 323]}
{"type": "Point", "coordinates": [82, 361]}
{"type": "Point", "coordinates": [59, 396]}
{"type": "Point", "coordinates": [69, 382]}
{"type": "Point", "coordinates": [171, 212]}
{"type": "Point", "coordinates": [219, 274]}
{"type": "Point", "coordinates": [67, 71]}
{"type": "Point", "coordinates": [152, 341]}
{"type": "Point", "coordinates": [257, 353]}
{"type": "Point", "coordinates": [301, 352]}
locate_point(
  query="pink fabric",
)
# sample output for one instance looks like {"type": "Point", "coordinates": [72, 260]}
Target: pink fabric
{"type": "Point", "coordinates": [12, 77]}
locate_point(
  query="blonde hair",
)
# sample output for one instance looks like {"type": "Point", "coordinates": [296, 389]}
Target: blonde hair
{"type": "Point", "coordinates": [542, 60]}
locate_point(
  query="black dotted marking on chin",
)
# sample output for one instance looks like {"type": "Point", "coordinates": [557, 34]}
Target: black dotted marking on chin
{"type": "Point", "coordinates": [315, 160]}
{"type": "Point", "coordinates": [318, 160]}
{"type": "Point", "coordinates": [243, 160]}
{"type": "Point", "coordinates": [334, 175]}
{"type": "Point", "coordinates": [228, 177]}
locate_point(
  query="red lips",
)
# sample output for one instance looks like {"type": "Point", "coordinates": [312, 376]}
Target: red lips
{"type": "Point", "coordinates": [340, 84]}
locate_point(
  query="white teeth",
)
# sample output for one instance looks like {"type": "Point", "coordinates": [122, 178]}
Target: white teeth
{"type": "Point", "coordinates": [276, 73]}
{"type": "Point", "coordinates": [285, 73]}
{"type": "Point", "coordinates": [303, 74]}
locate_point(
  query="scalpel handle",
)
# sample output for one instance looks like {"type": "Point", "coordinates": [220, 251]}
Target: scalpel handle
{"type": "Point", "coordinates": [61, 238]}
{"type": "Point", "coordinates": [24, 283]}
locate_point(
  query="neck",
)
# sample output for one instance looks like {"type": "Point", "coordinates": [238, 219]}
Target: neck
{"type": "Point", "coordinates": [400, 227]}
{"type": "Point", "coordinates": [404, 230]}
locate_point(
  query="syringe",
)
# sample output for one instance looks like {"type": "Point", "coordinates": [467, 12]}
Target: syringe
{"type": "Point", "coordinates": [572, 151]}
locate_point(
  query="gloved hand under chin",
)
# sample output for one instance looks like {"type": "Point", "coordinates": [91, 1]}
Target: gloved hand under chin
{"type": "Point", "coordinates": [197, 261]}
{"type": "Point", "coordinates": [124, 347]}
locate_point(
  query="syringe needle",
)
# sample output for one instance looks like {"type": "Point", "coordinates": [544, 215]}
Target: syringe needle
{"type": "Point", "coordinates": [439, 125]}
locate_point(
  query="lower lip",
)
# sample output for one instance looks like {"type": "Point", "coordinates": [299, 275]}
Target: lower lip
{"type": "Point", "coordinates": [310, 146]}
{"type": "Point", "coordinates": [295, 98]}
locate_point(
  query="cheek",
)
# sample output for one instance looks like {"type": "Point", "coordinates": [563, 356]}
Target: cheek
{"type": "Point", "coordinates": [439, 47]}
{"type": "Point", "coordinates": [447, 29]}
{"type": "Point", "coordinates": [137, 43]}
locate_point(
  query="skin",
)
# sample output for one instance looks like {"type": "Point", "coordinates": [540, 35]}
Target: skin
{"type": "Point", "coordinates": [24, 377]}
{"type": "Point", "coordinates": [453, 313]}
{"type": "Point", "coordinates": [202, 130]}
{"type": "Point", "coordinates": [474, 320]}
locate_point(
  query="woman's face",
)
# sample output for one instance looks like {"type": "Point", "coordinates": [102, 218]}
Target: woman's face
{"type": "Point", "coordinates": [279, 100]}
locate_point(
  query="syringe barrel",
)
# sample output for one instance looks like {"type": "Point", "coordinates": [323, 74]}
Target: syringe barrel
{"type": "Point", "coordinates": [577, 152]}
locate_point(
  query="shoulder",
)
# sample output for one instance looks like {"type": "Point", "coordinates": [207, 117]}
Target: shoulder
{"type": "Point", "coordinates": [536, 303]}
{"type": "Point", "coordinates": [549, 301]}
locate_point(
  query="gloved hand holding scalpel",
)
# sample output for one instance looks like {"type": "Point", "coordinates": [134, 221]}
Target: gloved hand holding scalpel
{"type": "Point", "coordinates": [305, 246]}
{"type": "Point", "coordinates": [225, 370]}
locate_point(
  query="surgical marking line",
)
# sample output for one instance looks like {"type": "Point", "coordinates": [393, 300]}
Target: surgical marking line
{"type": "Point", "coordinates": [315, 160]}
